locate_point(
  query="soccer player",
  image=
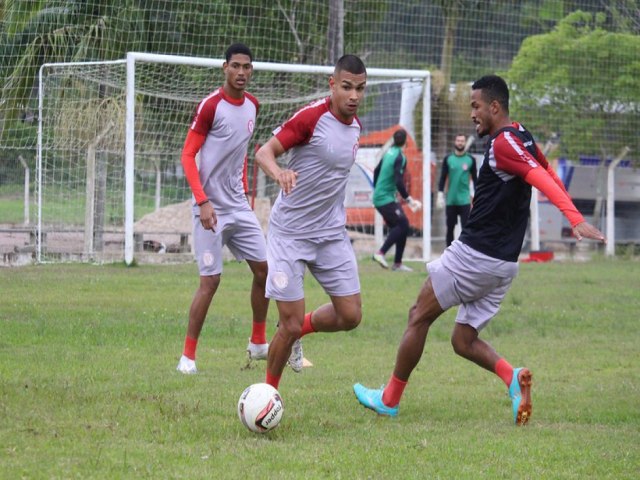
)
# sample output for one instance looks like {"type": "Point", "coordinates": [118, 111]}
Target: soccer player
{"type": "Point", "coordinates": [476, 271]}
{"type": "Point", "coordinates": [388, 177]}
{"type": "Point", "coordinates": [220, 131]}
{"type": "Point", "coordinates": [307, 223]}
{"type": "Point", "coordinates": [459, 168]}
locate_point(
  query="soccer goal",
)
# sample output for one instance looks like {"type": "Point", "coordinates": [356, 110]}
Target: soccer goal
{"type": "Point", "coordinates": [111, 133]}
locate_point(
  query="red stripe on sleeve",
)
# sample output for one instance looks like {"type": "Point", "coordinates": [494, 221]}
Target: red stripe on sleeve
{"type": "Point", "coordinates": [192, 146]}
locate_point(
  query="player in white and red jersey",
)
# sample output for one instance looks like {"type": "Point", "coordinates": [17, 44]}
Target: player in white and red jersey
{"type": "Point", "coordinates": [476, 271]}
{"type": "Point", "coordinates": [307, 224]}
{"type": "Point", "coordinates": [221, 129]}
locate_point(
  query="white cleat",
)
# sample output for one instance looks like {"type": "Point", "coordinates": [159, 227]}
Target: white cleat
{"type": "Point", "coordinates": [257, 351]}
{"type": "Point", "coordinates": [187, 366]}
{"type": "Point", "coordinates": [401, 268]}
{"type": "Point", "coordinates": [380, 260]}
{"type": "Point", "coordinates": [296, 358]}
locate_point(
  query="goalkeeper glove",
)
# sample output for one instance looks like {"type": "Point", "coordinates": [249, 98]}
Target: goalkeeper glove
{"type": "Point", "coordinates": [440, 200]}
{"type": "Point", "coordinates": [414, 205]}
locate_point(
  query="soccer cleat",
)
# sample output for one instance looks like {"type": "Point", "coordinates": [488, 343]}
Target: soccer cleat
{"type": "Point", "coordinates": [296, 357]}
{"type": "Point", "coordinates": [257, 351]}
{"type": "Point", "coordinates": [372, 399]}
{"type": "Point", "coordinates": [378, 257]}
{"type": "Point", "coordinates": [520, 393]}
{"type": "Point", "coordinates": [401, 268]}
{"type": "Point", "coordinates": [187, 366]}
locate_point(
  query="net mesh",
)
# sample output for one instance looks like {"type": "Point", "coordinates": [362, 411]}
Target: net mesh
{"type": "Point", "coordinates": [83, 140]}
{"type": "Point", "coordinates": [572, 66]}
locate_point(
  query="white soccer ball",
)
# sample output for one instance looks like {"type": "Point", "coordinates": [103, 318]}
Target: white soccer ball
{"type": "Point", "coordinates": [260, 407]}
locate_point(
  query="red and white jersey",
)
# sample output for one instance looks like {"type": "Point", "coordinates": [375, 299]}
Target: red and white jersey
{"type": "Point", "coordinates": [323, 150]}
{"type": "Point", "coordinates": [228, 126]}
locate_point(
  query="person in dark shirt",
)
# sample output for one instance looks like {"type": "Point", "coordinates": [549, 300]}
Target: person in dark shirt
{"type": "Point", "coordinates": [476, 271]}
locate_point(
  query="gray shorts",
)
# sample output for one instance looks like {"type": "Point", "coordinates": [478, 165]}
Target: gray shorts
{"type": "Point", "coordinates": [478, 283]}
{"type": "Point", "coordinates": [239, 231]}
{"type": "Point", "coordinates": [330, 260]}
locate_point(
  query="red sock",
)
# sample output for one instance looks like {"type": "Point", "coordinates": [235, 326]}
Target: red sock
{"type": "Point", "coordinates": [504, 370]}
{"type": "Point", "coordinates": [393, 391]}
{"type": "Point", "coordinates": [258, 332]}
{"type": "Point", "coordinates": [273, 380]}
{"type": "Point", "coordinates": [190, 345]}
{"type": "Point", "coordinates": [306, 325]}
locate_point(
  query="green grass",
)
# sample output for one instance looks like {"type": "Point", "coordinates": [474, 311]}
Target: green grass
{"type": "Point", "coordinates": [88, 387]}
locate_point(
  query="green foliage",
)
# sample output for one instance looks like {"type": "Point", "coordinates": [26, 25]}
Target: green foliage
{"type": "Point", "coordinates": [563, 83]}
{"type": "Point", "coordinates": [89, 390]}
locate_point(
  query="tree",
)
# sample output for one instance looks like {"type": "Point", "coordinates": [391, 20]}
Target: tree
{"type": "Point", "coordinates": [581, 82]}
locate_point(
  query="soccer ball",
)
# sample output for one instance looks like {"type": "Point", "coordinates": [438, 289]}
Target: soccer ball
{"type": "Point", "coordinates": [260, 407]}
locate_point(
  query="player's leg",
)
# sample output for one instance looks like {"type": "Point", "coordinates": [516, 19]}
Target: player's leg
{"type": "Point", "coordinates": [342, 314]}
{"type": "Point", "coordinates": [463, 211]}
{"type": "Point", "coordinates": [291, 314]}
{"type": "Point", "coordinates": [208, 253]}
{"type": "Point", "coordinates": [247, 242]}
{"type": "Point", "coordinates": [285, 283]}
{"type": "Point", "coordinates": [472, 317]}
{"type": "Point", "coordinates": [389, 217]}
{"type": "Point", "coordinates": [402, 231]}
{"type": "Point", "coordinates": [336, 269]}
{"type": "Point", "coordinates": [452, 219]}
{"type": "Point", "coordinates": [422, 314]}
{"type": "Point", "coordinates": [258, 346]}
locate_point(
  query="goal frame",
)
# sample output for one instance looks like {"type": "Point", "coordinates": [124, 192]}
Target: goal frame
{"type": "Point", "coordinates": [133, 57]}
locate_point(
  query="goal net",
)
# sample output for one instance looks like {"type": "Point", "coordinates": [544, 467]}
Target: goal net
{"type": "Point", "coordinates": [110, 182]}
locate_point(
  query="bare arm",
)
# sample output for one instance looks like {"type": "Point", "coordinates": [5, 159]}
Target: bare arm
{"type": "Point", "coordinates": [266, 158]}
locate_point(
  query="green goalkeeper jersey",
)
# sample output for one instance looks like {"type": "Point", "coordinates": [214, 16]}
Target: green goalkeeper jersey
{"type": "Point", "coordinates": [388, 177]}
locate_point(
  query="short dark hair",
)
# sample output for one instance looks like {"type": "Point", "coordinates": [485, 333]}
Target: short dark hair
{"type": "Point", "coordinates": [236, 48]}
{"type": "Point", "coordinates": [351, 64]}
{"type": "Point", "coordinates": [493, 88]}
{"type": "Point", "coordinates": [400, 137]}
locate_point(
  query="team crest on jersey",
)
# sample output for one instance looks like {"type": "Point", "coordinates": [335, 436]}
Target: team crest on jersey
{"type": "Point", "coordinates": [355, 150]}
{"type": "Point", "coordinates": [250, 126]}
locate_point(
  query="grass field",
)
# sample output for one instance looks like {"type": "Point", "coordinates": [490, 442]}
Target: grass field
{"type": "Point", "coordinates": [88, 387]}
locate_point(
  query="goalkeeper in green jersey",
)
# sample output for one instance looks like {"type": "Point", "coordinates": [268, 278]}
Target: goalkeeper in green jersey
{"type": "Point", "coordinates": [388, 178]}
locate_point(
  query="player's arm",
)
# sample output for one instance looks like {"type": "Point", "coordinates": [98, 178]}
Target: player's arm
{"type": "Point", "coordinates": [543, 181]}
{"type": "Point", "coordinates": [513, 158]}
{"type": "Point", "coordinates": [443, 175]}
{"type": "Point", "coordinates": [441, 184]}
{"type": "Point", "coordinates": [266, 158]}
{"type": "Point", "coordinates": [542, 160]}
{"type": "Point", "coordinates": [192, 146]}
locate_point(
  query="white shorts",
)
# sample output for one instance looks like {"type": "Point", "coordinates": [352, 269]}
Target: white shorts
{"type": "Point", "coordinates": [478, 283]}
{"type": "Point", "coordinates": [331, 261]}
{"type": "Point", "coordinates": [239, 231]}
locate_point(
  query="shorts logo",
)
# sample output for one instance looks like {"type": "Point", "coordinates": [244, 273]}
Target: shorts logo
{"type": "Point", "coordinates": [207, 258]}
{"type": "Point", "coordinates": [250, 126]}
{"type": "Point", "coordinates": [280, 280]}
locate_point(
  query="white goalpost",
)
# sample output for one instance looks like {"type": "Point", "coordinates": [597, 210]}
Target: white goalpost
{"type": "Point", "coordinates": [134, 58]}
{"type": "Point", "coordinates": [110, 135]}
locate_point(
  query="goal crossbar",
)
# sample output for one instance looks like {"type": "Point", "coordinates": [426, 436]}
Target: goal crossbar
{"type": "Point", "coordinates": [133, 57]}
